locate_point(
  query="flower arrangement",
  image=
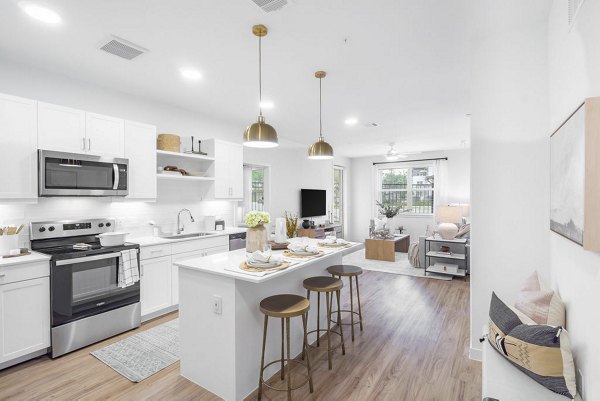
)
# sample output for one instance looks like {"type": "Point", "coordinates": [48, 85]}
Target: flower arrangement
{"type": "Point", "coordinates": [254, 218]}
{"type": "Point", "coordinates": [388, 210]}
{"type": "Point", "coordinates": [291, 224]}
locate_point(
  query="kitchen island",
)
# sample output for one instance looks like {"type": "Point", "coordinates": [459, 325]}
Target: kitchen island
{"type": "Point", "coordinates": [221, 324]}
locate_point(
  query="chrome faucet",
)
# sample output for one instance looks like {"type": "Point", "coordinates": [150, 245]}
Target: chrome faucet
{"type": "Point", "coordinates": [179, 228]}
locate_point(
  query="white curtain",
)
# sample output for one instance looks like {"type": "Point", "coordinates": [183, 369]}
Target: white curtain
{"type": "Point", "coordinates": [440, 189]}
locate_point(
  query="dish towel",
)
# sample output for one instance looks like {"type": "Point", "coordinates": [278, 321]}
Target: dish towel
{"type": "Point", "coordinates": [129, 271]}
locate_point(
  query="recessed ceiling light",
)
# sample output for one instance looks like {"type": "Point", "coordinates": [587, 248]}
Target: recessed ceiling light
{"type": "Point", "coordinates": [351, 121]}
{"type": "Point", "coordinates": [40, 13]}
{"type": "Point", "coordinates": [190, 74]}
{"type": "Point", "coordinates": [266, 104]}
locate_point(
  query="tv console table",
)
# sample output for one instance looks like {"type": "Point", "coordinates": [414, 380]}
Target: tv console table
{"type": "Point", "coordinates": [321, 232]}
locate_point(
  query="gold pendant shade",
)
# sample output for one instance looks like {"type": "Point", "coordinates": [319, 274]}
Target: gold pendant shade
{"type": "Point", "coordinates": [320, 150]}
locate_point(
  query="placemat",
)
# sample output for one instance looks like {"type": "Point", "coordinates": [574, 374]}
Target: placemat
{"type": "Point", "coordinates": [324, 245]}
{"type": "Point", "coordinates": [247, 268]}
{"type": "Point", "coordinates": [290, 254]}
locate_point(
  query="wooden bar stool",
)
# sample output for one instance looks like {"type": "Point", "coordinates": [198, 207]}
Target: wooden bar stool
{"type": "Point", "coordinates": [350, 271]}
{"type": "Point", "coordinates": [328, 285]}
{"type": "Point", "coordinates": [284, 306]}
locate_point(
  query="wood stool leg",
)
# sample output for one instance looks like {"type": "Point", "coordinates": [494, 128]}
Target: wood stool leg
{"type": "Point", "coordinates": [351, 309]}
{"type": "Point", "coordinates": [282, 351]}
{"type": "Point", "coordinates": [328, 330]}
{"type": "Point", "coordinates": [304, 340]}
{"type": "Point", "coordinates": [262, 358]}
{"type": "Point", "coordinates": [339, 321]}
{"type": "Point", "coordinates": [289, 360]}
{"type": "Point", "coordinates": [305, 324]}
{"type": "Point", "coordinates": [359, 308]}
{"type": "Point", "coordinates": [318, 318]}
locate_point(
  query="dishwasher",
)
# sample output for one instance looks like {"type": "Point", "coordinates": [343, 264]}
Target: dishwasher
{"type": "Point", "coordinates": [237, 241]}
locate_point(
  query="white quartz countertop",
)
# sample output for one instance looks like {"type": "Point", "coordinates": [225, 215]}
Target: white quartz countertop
{"type": "Point", "coordinates": [150, 240]}
{"type": "Point", "coordinates": [223, 264]}
{"type": "Point", "coordinates": [34, 257]}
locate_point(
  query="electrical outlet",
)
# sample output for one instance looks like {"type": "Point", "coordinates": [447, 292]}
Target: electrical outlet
{"type": "Point", "coordinates": [580, 384]}
{"type": "Point", "coordinates": [217, 304]}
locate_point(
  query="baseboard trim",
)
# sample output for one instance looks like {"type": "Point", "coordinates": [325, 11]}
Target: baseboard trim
{"type": "Point", "coordinates": [159, 313]}
{"type": "Point", "coordinates": [475, 354]}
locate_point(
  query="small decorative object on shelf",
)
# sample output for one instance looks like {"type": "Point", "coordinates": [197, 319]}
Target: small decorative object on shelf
{"type": "Point", "coordinates": [306, 223]}
{"type": "Point", "coordinates": [256, 236]}
{"type": "Point", "coordinates": [168, 142]}
{"type": "Point", "coordinates": [291, 224]}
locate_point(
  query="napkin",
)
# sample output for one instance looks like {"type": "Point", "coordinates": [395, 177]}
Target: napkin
{"type": "Point", "coordinates": [302, 248]}
{"type": "Point", "coordinates": [262, 257]}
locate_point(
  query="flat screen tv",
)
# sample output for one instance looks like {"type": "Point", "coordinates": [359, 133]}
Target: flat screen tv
{"type": "Point", "coordinates": [313, 202]}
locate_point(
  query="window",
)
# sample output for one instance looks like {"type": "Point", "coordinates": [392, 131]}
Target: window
{"type": "Point", "coordinates": [408, 187]}
{"type": "Point", "coordinates": [338, 195]}
{"type": "Point", "coordinates": [256, 188]}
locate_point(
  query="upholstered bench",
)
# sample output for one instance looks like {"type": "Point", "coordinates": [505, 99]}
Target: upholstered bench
{"type": "Point", "coordinates": [504, 382]}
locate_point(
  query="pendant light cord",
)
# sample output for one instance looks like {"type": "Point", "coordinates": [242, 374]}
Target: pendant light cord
{"type": "Point", "coordinates": [320, 110]}
{"type": "Point", "coordinates": [260, 75]}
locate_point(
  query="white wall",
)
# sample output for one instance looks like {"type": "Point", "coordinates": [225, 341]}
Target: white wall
{"type": "Point", "coordinates": [574, 72]}
{"type": "Point", "coordinates": [291, 170]}
{"type": "Point", "coordinates": [509, 152]}
{"type": "Point", "coordinates": [363, 192]}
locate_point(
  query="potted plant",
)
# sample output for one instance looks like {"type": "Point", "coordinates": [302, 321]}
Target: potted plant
{"type": "Point", "coordinates": [257, 235]}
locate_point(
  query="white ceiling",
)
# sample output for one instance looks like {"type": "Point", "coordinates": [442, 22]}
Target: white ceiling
{"type": "Point", "coordinates": [400, 63]}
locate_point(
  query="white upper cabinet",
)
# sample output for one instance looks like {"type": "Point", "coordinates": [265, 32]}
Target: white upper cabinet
{"type": "Point", "coordinates": [104, 135]}
{"type": "Point", "coordinates": [140, 149]}
{"type": "Point", "coordinates": [229, 170]}
{"type": "Point", "coordinates": [61, 128]}
{"type": "Point", "coordinates": [18, 141]}
{"type": "Point", "coordinates": [65, 129]}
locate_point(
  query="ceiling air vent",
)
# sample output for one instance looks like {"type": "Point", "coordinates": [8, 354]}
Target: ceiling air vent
{"type": "Point", "coordinates": [270, 5]}
{"type": "Point", "coordinates": [122, 48]}
{"type": "Point", "coordinates": [574, 7]}
{"type": "Point", "coordinates": [372, 125]}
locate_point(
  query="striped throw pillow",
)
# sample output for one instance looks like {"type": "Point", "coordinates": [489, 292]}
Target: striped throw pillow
{"type": "Point", "coordinates": [542, 352]}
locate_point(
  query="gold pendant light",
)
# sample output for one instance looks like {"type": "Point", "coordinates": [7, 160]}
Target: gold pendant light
{"type": "Point", "coordinates": [320, 150]}
{"type": "Point", "coordinates": [260, 134]}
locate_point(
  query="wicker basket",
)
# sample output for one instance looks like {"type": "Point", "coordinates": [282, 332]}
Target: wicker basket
{"type": "Point", "coordinates": [168, 142]}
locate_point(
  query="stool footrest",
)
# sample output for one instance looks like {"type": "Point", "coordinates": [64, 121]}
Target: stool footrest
{"type": "Point", "coordinates": [346, 311]}
{"type": "Point", "coordinates": [325, 330]}
{"type": "Point", "coordinates": [262, 380]}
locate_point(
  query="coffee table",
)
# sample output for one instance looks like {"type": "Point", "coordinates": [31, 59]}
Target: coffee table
{"type": "Point", "coordinates": [385, 249]}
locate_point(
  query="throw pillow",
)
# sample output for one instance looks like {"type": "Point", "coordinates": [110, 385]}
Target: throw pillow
{"type": "Point", "coordinates": [542, 352]}
{"type": "Point", "coordinates": [541, 304]}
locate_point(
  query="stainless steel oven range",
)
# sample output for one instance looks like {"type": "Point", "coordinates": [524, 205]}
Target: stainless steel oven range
{"type": "Point", "coordinates": [87, 305]}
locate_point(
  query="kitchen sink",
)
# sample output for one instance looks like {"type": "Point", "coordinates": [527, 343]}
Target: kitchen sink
{"type": "Point", "coordinates": [191, 235]}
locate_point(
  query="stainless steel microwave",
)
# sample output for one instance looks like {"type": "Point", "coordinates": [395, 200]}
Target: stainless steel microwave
{"type": "Point", "coordinates": [74, 174]}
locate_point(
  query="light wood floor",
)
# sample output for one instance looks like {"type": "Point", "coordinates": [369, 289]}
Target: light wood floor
{"type": "Point", "coordinates": [414, 347]}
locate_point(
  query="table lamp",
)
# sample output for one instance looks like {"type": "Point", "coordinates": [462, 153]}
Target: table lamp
{"type": "Point", "coordinates": [448, 217]}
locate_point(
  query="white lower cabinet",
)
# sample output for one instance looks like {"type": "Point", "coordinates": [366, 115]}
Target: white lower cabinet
{"type": "Point", "coordinates": [24, 318]}
{"type": "Point", "coordinates": [160, 276]}
{"type": "Point", "coordinates": [155, 284]}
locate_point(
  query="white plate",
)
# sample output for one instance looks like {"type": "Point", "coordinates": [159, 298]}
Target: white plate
{"type": "Point", "coordinates": [264, 265]}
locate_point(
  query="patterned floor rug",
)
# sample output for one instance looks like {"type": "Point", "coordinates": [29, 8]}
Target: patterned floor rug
{"type": "Point", "coordinates": [400, 266]}
{"type": "Point", "coordinates": [142, 355]}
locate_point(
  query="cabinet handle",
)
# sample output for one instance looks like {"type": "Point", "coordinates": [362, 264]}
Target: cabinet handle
{"type": "Point", "coordinates": [83, 143]}
{"type": "Point", "coordinates": [89, 144]}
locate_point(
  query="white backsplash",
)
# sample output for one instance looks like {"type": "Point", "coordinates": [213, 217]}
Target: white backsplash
{"type": "Point", "coordinates": [132, 216]}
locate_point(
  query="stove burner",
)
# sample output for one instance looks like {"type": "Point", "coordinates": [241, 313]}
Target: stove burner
{"type": "Point", "coordinates": [82, 246]}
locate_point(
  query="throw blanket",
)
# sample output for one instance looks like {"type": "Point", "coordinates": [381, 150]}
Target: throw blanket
{"type": "Point", "coordinates": [129, 272]}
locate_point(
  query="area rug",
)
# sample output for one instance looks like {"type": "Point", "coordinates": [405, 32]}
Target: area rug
{"type": "Point", "coordinates": [142, 355]}
{"type": "Point", "coordinates": [400, 266]}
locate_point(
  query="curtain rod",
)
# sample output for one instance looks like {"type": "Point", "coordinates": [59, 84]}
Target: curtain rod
{"type": "Point", "coordinates": [409, 161]}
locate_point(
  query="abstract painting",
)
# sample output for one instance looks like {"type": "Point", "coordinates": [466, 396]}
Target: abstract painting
{"type": "Point", "coordinates": [567, 178]}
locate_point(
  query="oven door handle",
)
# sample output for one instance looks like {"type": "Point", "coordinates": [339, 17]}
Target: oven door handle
{"type": "Point", "coordinates": [88, 258]}
{"type": "Point", "coordinates": [116, 174]}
